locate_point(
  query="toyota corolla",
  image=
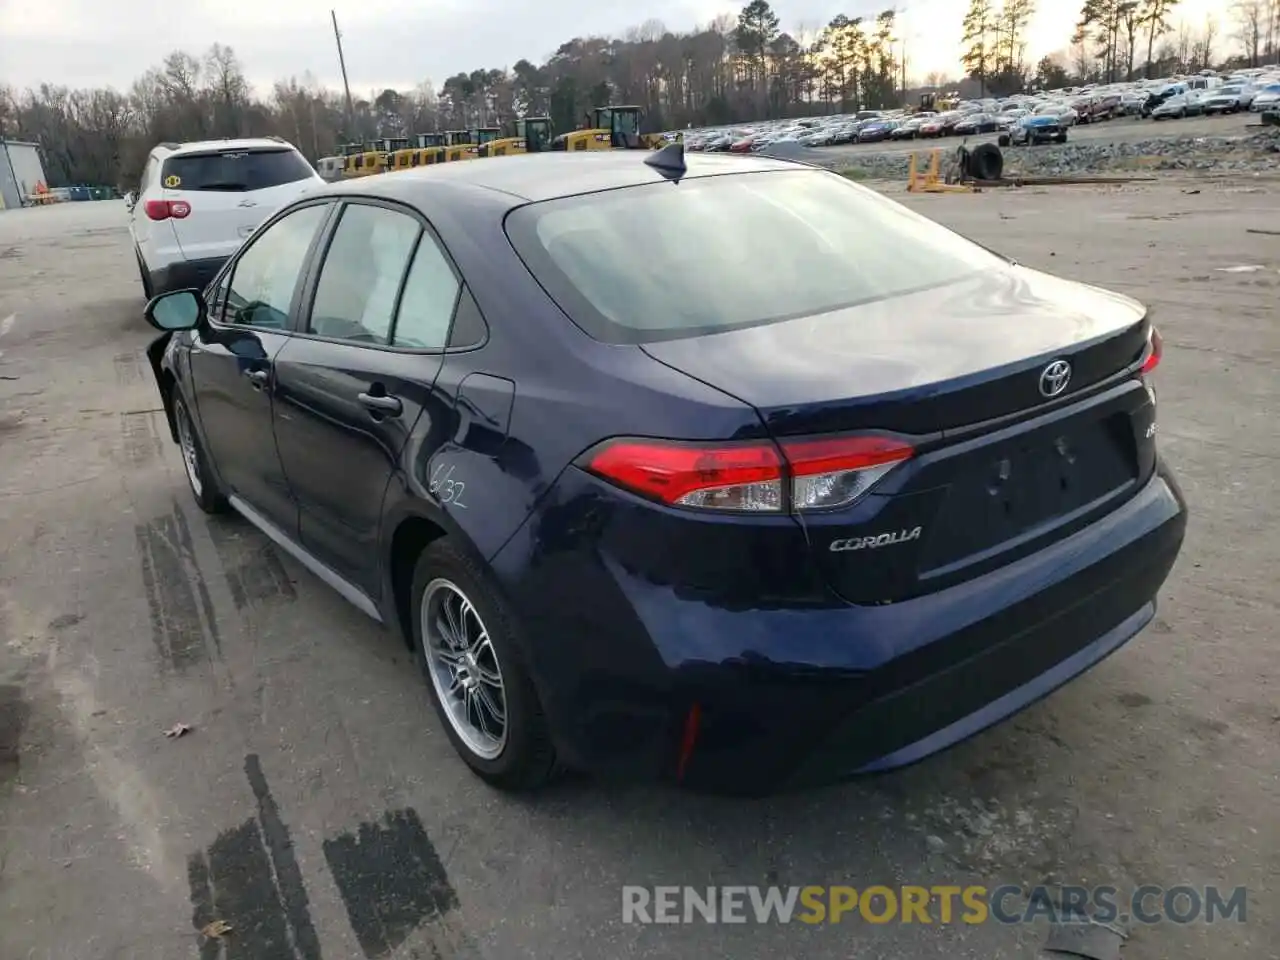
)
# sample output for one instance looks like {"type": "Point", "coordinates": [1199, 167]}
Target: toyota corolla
{"type": "Point", "coordinates": [718, 469]}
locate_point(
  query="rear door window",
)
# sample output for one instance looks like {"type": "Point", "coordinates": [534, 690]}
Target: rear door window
{"type": "Point", "coordinates": [362, 275]}
{"type": "Point", "coordinates": [235, 170]}
{"type": "Point", "coordinates": [427, 304]}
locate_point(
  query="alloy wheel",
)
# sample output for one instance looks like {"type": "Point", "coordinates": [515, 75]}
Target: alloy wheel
{"type": "Point", "coordinates": [464, 668]}
{"type": "Point", "coordinates": [187, 444]}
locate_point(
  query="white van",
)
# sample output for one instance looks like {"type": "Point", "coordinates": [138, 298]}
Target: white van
{"type": "Point", "coordinates": [1204, 83]}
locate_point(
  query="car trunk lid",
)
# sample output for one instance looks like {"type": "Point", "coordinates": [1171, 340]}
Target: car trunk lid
{"type": "Point", "coordinates": [957, 370]}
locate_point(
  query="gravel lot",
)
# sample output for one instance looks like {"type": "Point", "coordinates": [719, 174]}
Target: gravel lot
{"type": "Point", "coordinates": [317, 796]}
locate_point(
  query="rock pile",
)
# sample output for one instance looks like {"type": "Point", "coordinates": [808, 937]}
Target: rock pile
{"type": "Point", "coordinates": [1257, 152]}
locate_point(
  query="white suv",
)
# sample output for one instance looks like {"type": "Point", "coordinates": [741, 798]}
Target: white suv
{"type": "Point", "coordinates": [197, 202]}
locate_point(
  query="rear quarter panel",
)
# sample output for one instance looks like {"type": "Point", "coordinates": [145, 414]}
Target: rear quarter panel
{"type": "Point", "coordinates": [538, 393]}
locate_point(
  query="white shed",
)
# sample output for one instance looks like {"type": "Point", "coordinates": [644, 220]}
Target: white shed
{"type": "Point", "coordinates": [20, 171]}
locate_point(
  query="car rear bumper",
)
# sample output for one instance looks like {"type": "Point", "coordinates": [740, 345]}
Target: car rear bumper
{"type": "Point", "coordinates": [641, 678]}
{"type": "Point", "coordinates": [186, 274]}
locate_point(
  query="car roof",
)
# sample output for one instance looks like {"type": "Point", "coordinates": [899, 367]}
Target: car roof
{"type": "Point", "coordinates": [546, 176]}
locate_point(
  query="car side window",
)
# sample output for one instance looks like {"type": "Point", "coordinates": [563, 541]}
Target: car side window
{"type": "Point", "coordinates": [362, 274]}
{"type": "Point", "coordinates": [265, 276]}
{"type": "Point", "coordinates": [427, 304]}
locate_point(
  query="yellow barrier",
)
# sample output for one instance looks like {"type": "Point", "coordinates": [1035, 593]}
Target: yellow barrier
{"type": "Point", "coordinates": [931, 181]}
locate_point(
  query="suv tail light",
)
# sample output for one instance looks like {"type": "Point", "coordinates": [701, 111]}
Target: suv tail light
{"type": "Point", "coordinates": [755, 477]}
{"type": "Point", "coordinates": [164, 209]}
{"type": "Point", "coordinates": [1153, 352]}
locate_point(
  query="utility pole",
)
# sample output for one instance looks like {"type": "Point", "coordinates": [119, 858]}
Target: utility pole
{"type": "Point", "coordinates": [342, 62]}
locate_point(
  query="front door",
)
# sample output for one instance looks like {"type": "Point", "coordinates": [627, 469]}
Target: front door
{"type": "Point", "coordinates": [353, 382]}
{"type": "Point", "coordinates": [232, 362]}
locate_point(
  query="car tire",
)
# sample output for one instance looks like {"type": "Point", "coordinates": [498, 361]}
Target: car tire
{"type": "Point", "coordinates": [522, 757]}
{"type": "Point", "coordinates": [204, 488]}
{"type": "Point", "coordinates": [1004, 140]}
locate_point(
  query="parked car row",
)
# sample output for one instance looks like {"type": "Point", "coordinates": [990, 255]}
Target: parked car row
{"type": "Point", "coordinates": [1031, 118]}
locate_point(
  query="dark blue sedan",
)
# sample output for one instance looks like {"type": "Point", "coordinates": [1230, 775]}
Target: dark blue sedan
{"type": "Point", "coordinates": [724, 470]}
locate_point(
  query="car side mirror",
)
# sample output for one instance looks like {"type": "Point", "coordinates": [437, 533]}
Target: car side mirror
{"type": "Point", "coordinates": [177, 310]}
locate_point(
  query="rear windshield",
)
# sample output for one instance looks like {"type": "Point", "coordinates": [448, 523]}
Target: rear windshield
{"type": "Point", "coordinates": [664, 261]}
{"type": "Point", "coordinates": [234, 170]}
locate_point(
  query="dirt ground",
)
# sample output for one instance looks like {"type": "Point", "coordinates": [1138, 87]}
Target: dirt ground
{"type": "Point", "coordinates": [317, 807]}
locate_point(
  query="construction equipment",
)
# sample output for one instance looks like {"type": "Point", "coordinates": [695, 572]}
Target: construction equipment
{"type": "Point", "coordinates": [533, 135]}
{"type": "Point", "coordinates": [458, 146]}
{"type": "Point", "coordinates": [428, 149]}
{"type": "Point", "coordinates": [614, 128]}
{"type": "Point", "coordinates": [373, 158]}
{"type": "Point", "coordinates": [403, 159]}
{"type": "Point", "coordinates": [366, 163]}
{"type": "Point", "coordinates": [937, 103]}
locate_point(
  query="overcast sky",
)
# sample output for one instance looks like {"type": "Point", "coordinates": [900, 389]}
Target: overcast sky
{"type": "Point", "coordinates": [400, 43]}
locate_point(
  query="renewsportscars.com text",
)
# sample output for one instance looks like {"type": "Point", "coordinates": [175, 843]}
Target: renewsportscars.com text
{"type": "Point", "coordinates": [941, 904]}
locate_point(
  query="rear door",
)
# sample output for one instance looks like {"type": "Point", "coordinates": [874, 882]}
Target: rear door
{"type": "Point", "coordinates": [229, 192]}
{"type": "Point", "coordinates": [356, 376]}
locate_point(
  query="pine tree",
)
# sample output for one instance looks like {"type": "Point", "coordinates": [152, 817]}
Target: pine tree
{"type": "Point", "coordinates": [978, 54]}
{"type": "Point", "coordinates": [1154, 15]}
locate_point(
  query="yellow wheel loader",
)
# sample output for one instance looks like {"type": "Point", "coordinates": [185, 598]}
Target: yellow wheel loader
{"type": "Point", "coordinates": [352, 160]}
{"type": "Point", "coordinates": [428, 149]}
{"type": "Point", "coordinates": [458, 146]}
{"type": "Point", "coordinates": [613, 128]}
{"type": "Point", "coordinates": [533, 135]}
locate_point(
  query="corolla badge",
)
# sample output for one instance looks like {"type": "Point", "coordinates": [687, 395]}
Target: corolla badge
{"type": "Point", "coordinates": [1054, 378]}
{"type": "Point", "coordinates": [876, 541]}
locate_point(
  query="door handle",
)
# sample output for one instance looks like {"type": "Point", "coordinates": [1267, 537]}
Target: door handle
{"type": "Point", "coordinates": [381, 404]}
{"type": "Point", "coordinates": [258, 377]}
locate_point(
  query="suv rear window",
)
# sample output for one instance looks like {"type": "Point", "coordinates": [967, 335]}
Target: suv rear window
{"type": "Point", "coordinates": [235, 170]}
{"type": "Point", "coordinates": [665, 261]}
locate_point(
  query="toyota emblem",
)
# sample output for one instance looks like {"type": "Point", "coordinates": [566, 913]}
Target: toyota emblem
{"type": "Point", "coordinates": [1054, 378]}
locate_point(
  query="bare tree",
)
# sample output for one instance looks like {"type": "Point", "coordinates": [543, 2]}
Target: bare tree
{"type": "Point", "coordinates": [1250, 18]}
{"type": "Point", "coordinates": [228, 91]}
{"type": "Point", "coordinates": [1202, 47]}
{"type": "Point", "coordinates": [1270, 23]}
{"type": "Point", "coordinates": [699, 77]}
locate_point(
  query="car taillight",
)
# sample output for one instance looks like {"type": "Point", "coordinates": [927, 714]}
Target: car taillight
{"type": "Point", "coordinates": [727, 476]}
{"type": "Point", "coordinates": [836, 471]}
{"type": "Point", "coordinates": [164, 209]}
{"type": "Point", "coordinates": [756, 477]}
{"type": "Point", "coordinates": [1153, 352]}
